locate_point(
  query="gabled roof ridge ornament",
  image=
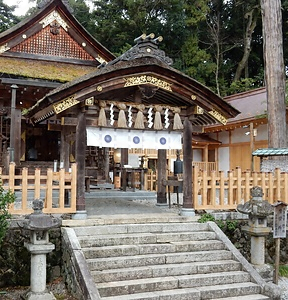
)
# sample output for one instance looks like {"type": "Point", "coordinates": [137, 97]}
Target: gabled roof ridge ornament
{"type": "Point", "coordinates": [146, 46]}
{"type": "Point", "coordinates": [54, 16]}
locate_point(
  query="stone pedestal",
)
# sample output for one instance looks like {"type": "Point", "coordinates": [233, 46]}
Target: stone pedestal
{"type": "Point", "coordinates": [258, 236]}
{"type": "Point", "coordinates": [38, 271]}
{"type": "Point", "coordinates": [188, 212]}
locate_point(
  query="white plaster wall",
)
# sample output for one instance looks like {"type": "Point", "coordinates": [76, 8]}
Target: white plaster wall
{"type": "Point", "coordinates": [224, 159]}
{"type": "Point", "coordinates": [133, 160]}
{"type": "Point", "coordinates": [262, 133]}
{"type": "Point", "coordinates": [197, 155]}
{"type": "Point", "coordinates": [239, 136]}
{"type": "Point", "coordinates": [223, 137]}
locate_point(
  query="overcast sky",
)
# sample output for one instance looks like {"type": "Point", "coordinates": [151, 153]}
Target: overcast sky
{"type": "Point", "coordinates": [23, 6]}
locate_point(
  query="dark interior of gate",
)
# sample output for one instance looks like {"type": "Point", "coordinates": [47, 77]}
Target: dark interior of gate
{"type": "Point", "coordinates": [136, 101]}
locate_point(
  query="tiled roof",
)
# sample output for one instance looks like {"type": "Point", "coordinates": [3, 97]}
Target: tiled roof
{"type": "Point", "coordinates": [271, 152]}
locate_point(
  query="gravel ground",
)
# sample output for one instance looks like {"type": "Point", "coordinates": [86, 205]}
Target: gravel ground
{"type": "Point", "coordinates": [283, 283]}
{"type": "Point", "coordinates": [57, 287]}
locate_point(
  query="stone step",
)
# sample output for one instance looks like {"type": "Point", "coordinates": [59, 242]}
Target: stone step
{"type": "Point", "coordinates": [128, 250]}
{"type": "Point", "coordinates": [229, 290]}
{"type": "Point", "coordinates": [239, 291]}
{"type": "Point", "coordinates": [100, 264]}
{"type": "Point", "coordinates": [116, 194]}
{"type": "Point", "coordinates": [247, 297]}
{"type": "Point", "coordinates": [208, 281]}
{"type": "Point", "coordinates": [165, 270]}
{"type": "Point", "coordinates": [140, 228]}
{"type": "Point", "coordinates": [143, 238]}
{"type": "Point", "coordinates": [131, 219]}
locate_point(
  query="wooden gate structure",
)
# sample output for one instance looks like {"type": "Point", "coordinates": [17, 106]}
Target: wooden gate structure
{"type": "Point", "coordinates": [136, 100]}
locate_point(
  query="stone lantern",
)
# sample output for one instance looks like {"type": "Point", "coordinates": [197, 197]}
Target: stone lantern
{"type": "Point", "coordinates": [258, 211]}
{"type": "Point", "coordinates": [39, 246]}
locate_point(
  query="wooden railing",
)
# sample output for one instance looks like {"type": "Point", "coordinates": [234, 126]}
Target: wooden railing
{"type": "Point", "coordinates": [218, 191]}
{"type": "Point", "coordinates": [57, 189]}
{"type": "Point", "coordinates": [215, 191]}
{"type": "Point", "coordinates": [151, 181]}
{"type": "Point", "coordinates": [205, 166]}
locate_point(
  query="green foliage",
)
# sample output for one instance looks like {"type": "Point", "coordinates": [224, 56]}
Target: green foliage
{"type": "Point", "coordinates": [206, 218]}
{"type": "Point", "coordinates": [242, 85]}
{"type": "Point", "coordinates": [225, 225]}
{"type": "Point", "coordinates": [6, 198]}
{"type": "Point", "coordinates": [7, 19]}
{"type": "Point", "coordinates": [283, 270]}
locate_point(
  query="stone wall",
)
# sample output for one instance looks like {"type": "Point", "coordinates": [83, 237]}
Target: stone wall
{"type": "Point", "coordinates": [269, 165]}
{"type": "Point", "coordinates": [242, 241]}
{"type": "Point", "coordinates": [69, 272]}
{"type": "Point", "coordinates": [15, 258]}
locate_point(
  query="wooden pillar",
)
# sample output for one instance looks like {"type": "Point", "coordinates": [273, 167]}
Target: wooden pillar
{"type": "Point", "coordinates": [65, 148]}
{"type": "Point", "coordinates": [161, 175]}
{"type": "Point", "coordinates": [124, 161]}
{"type": "Point", "coordinates": [205, 156]}
{"type": "Point", "coordinates": [17, 132]}
{"type": "Point", "coordinates": [187, 167]}
{"type": "Point", "coordinates": [106, 164]}
{"type": "Point", "coordinates": [15, 129]}
{"type": "Point", "coordinates": [80, 151]}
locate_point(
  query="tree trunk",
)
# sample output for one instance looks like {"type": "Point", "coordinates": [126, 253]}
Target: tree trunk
{"type": "Point", "coordinates": [274, 72]}
{"type": "Point", "coordinates": [252, 17]}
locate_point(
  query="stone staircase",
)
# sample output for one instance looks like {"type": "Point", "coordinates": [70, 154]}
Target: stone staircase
{"type": "Point", "coordinates": [166, 258]}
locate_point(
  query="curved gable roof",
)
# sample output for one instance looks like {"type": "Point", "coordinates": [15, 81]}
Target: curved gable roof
{"type": "Point", "coordinates": [142, 70]}
{"type": "Point", "coordinates": [69, 41]}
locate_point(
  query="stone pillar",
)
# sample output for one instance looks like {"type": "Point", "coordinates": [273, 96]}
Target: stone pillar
{"type": "Point", "coordinates": [257, 250]}
{"type": "Point", "coordinates": [38, 271]}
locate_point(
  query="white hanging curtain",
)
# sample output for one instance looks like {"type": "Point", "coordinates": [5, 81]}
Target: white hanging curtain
{"type": "Point", "coordinates": [129, 138]}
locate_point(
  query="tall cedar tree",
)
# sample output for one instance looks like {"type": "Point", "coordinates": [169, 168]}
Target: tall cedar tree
{"type": "Point", "coordinates": [274, 72]}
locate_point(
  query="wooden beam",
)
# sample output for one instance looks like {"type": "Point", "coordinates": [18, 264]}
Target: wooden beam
{"type": "Point", "coordinates": [54, 127]}
{"type": "Point", "coordinates": [30, 82]}
{"type": "Point", "coordinates": [67, 121]}
{"type": "Point", "coordinates": [198, 129]}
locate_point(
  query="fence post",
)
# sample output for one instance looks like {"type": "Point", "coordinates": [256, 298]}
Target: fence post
{"type": "Point", "coordinates": [213, 189]}
{"type": "Point", "coordinates": [230, 187]}
{"type": "Point", "coordinates": [12, 177]}
{"type": "Point", "coordinates": [239, 185]}
{"type": "Point", "coordinates": [73, 186]}
{"type": "Point", "coordinates": [222, 188]}
{"type": "Point", "coordinates": [195, 185]}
